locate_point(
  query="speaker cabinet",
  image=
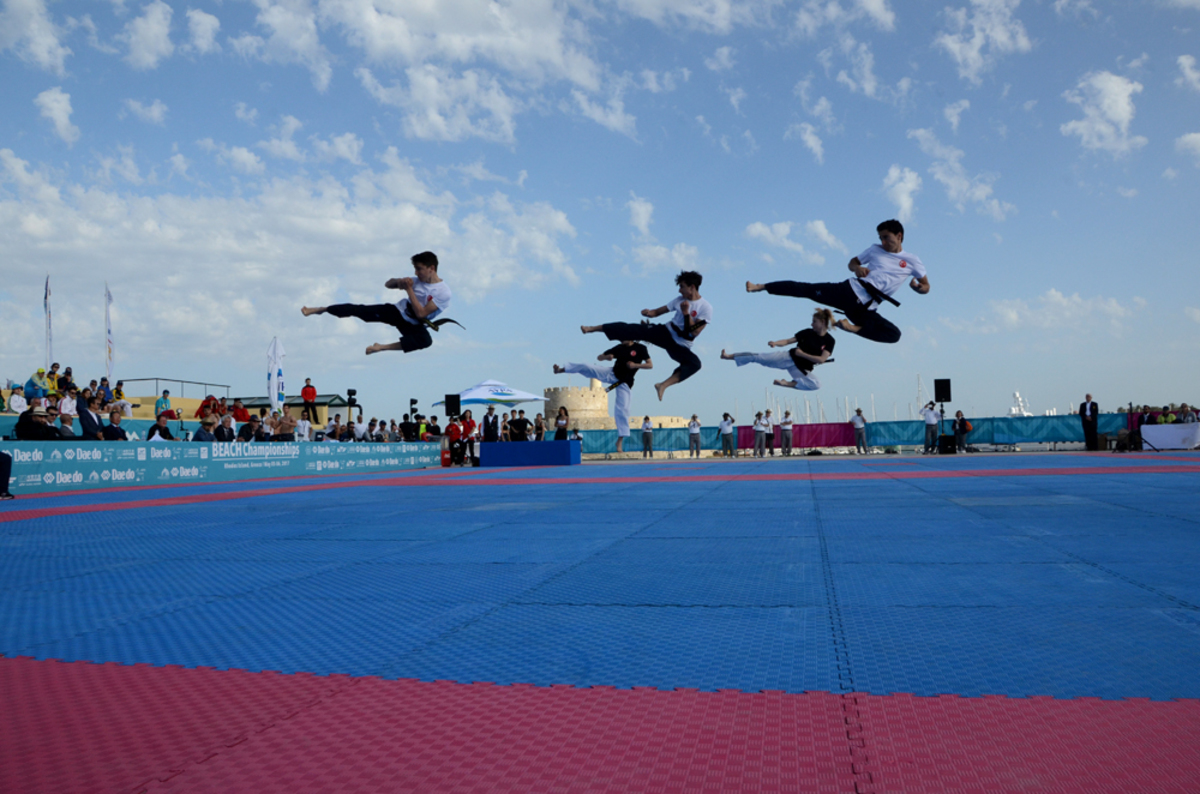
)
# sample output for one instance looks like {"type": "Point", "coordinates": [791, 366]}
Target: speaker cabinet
{"type": "Point", "coordinates": [453, 405]}
{"type": "Point", "coordinates": [941, 391]}
{"type": "Point", "coordinates": [946, 444]}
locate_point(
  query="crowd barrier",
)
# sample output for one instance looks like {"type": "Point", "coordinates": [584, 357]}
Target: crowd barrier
{"type": "Point", "coordinates": [44, 466]}
{"type": "Point", "coordinates": [990, 430]}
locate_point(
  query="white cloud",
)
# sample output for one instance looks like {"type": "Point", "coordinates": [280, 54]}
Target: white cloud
{"type": "Point", "coordinates": [976, 40]}
{"type": "Point", "coordinates": [179, 164]}
{"type": "Point", "coordinates": [239, 157]}
{"type": "Point", "coordinates": [1054, 309]}
{"type": "Point", "coordinates": [55, 105]}
{"type": "Point", "coordinates": [641, 214]}
{"type": "Point", "coordinates": [862, 64]}
{"type": "Point", "coordinates": [123, 165]}
{"type": "Point", "coordinates": [26, 28]}
{"type": "Point", "coordinates": [1170, 173]}
{"type": "Point", "coordinates": [1127, 192]}
{"type": "Point", "coordinates": [245, 113]}
{"type": "Point", "coordinates": [808, 135]}
{"type": "Point", "coordinates": [346, 147]}
{"type": "Point", "coordinates": [901, 185]}
{"type": "Point", "coordinates": [1189, 76]}
{"type": "Point", "coordinates": [1077, 8]}
{"type": "Point", "coordinates": [1192, 312]}
{"type": "Point", "coordinates": [149, 36]}
{"type": "Point", "coordinates": [736, 95]}
{"type": "Point", "coordinates": [293, 38]}
{"type": "Point", "coordinates": [778, 235]}
{"type": "Point", "coordinates": [439, 106]}
{"type": "Point", "coordinates": [960, 188]}
{"type": "Point", "coordinates": [1188, 144]}
{"type": "Point", "coordinates": [711, 16]}
{"type": "Point", "coordinates": [818, 230]}
{"type": "Point", "coordinates": [953, 112]}
{"type": "Point", "coordinates": [816, 14]}
{"type": "Point", "coordinates": [155, 113]}
{"type": "Point", "coordinates": [610, 115]}
{"type": "Point", "coordinates": [203, 28]}
{"type": "Point", "coordinates": [664, 82]}
{"type": "Point", "coordinates": [721, 60]}
{"type": "Point", "coordinates": [1107, 102]}
{"type": "Point", "coordinates": [283, 146]}
{"type": "Point", "coordinates": [705, 127]}
{"type": "Point", "coordinates": [822, 109]}
{"type": "Point", "coordinates": [681, 256]}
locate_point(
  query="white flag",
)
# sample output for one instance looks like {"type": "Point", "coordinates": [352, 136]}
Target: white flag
{"type": "Point", "coordinates": [108, 356]}
{"type": "Point", "coordinates": [275, 391]}
{"type": "Point", "coordinates": [49, 330]}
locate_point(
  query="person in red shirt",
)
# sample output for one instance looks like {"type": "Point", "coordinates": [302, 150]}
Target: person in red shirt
{"type": "Point", "coordinates": [240, 414]}
{"type": "Point", "coordinates": [309, 395]}
{"type": "Point", "coordinates": [454, 435]}
{"type": "Point", "coordinates": [468, 432]}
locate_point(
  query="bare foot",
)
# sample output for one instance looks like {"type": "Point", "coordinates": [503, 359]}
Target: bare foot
{"type": "Point", "coordinates": [660, 388]}
{"type": "Point", "coordinates": [558, 370]}
{"type": "Point", "coordinates": [306, 311]}
{"type": "Point", "coordinates": [375, 348]}
{"type": "Point", "coordinates": [725, 355]}
{"type": "Point", "coordinates": [752, 287]}
{"type": "Point", "coordinates": [785, 383]}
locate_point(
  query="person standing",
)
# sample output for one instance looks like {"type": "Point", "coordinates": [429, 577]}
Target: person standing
{"type": "Point", "coordinates": [760, 436]}
{"type": "Point", "coordinates": [539, 428]}
{"type": "Point", "coordinates": [692, 315]}
{"type": "Point", "coordinates": [491, 425]}
{"type": "Point", "coordinates": [304, 426]}
{"type": "Point", "coordinates": [518, 427]}
{"type": "Point", "coordinates": [860, 432]}
{"type": "Point", "coordinates": [725, 428]}
{"type": "Point", "coordinates": [932, 421]}
{"type": "Point", "coordinates": [647, 438]}
{"type": "Point", "coordinates": [694, 437]}
{"type": "Point", "coordinates": [309, 395]}
{"type": "Point", "coordinates": [561, 422]}
{"type": "Point", "coordinates": [769, 421]}
{"type": "Point", "coordinates": [5, 475]}
{"type": "Point", "coordinates": [468, 433]}
{"type": "Point", "coordinates": [1089, 416]}
{"type": "Point", "coordinates": [961, 428]}
{"type": "Point", "coordinates": [785, 430]}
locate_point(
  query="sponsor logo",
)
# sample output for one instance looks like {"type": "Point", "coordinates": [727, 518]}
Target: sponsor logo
{"type": "Point", "coordinates": [159, 454]}
{"type": "Point", "coordinates": [83, 454]}
{"type": "Point", "coordinates": [64, 477]}
{"type": "Point", "coordinates": [128, 475]}
{"type": "Point", "coordinates": [174, 471]}
{"type": "Point", "coordinates": [141, 453]}
{"type": "Point", "coordinates": [106, 475]}
{"type": "Point", "coordinates": [57, 456]}
{"type": "Point", "coordinates": [166, 474]}
{"type": "Point", "coordinates": [27, 456]}
{"type": "Point", "coordinates": [48, 477]}
{"type": "Point", "coordinates": [204, 453]}
{"type": "Point", "coordinates": [93, 477]}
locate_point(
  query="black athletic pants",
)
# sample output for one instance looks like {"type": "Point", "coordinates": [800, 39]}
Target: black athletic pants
{"type": "Point", "coordinates": [656, 334]}
{"type": "Point", "coordinates": [840, 295]}
{"type": "Point", "coordinates": [5, 471]}
{"type": "Point", "coordinates": [412, 337]}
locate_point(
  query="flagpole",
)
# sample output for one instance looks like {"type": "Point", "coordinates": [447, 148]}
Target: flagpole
{"type": "Point", "coordinates": [49, 332]}
{"type": "Point", "coordinates": [109, 353]}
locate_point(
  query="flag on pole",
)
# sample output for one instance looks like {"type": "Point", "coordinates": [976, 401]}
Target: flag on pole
{"type": "Point", "coordinates": [275, 391]}
{"type": "Point", "coordinates": [49, 331]}
{"type": "Point", "coordinates": [108, 355]}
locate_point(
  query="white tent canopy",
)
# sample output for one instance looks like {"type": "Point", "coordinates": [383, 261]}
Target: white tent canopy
{"type": "Point", "coordinates": [493, 392]}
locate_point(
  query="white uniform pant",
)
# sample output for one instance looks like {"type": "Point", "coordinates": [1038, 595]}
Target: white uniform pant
{"type": "Point", "coordinates": [624, 395]}
{"type": "Point", "coordinates": [780, 359]}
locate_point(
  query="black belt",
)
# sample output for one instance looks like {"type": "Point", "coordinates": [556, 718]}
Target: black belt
{"type": "Point", "coordinates": [435, 325]}
{"type": "Point", "coordinates": [878, 295]}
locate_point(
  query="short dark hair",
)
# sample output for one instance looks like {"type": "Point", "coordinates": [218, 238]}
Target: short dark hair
{"type": "Point", "coordinates": [894, 226]}
{"type": "Point", "coordinates": [427, 258]}
{"type": "Point", "coordinates": [689, 277]}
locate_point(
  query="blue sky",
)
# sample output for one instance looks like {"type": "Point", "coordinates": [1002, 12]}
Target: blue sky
{"type": "Point", "coordinates": [220, 164]}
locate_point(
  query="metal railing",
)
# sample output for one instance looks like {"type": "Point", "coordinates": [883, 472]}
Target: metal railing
{"type": "Point", "coordinates": [182, 383]}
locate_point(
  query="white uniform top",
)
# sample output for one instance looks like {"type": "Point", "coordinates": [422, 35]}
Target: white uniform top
{"type": "Point", "coordinates": [761, 425]}
{"type": "Point", "coordinates": [699, 309]}
{"type": "Point", "coordinates": [694, 428]}
{"type": "Point", "coordinates": [888, 273]}
{"type": "Point", "coordinates": [440, 292]}
{"type": "Point", "coordinates": [787, 423]}
{"type": "Point", "coordinates": [726, 426]}
{"type": "Point", "coordinates": [66, 406]}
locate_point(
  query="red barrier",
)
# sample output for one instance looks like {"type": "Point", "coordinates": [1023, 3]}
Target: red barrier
{"type": "Point", "coordinates": [831, 434]}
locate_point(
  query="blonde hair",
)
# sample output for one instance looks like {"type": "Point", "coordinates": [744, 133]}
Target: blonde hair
{"type": "Point", "coordinates": [826, 317]}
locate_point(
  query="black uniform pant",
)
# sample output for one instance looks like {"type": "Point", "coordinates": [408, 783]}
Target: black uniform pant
{"type": "Point", "coordinates": [840, 295]}
{"type": "Point", "coordinates": [1089, 434]}
{"type": "Point", "coordinates": [5, 471]}
{"type": "Point", "coordinates": [412, 337]}
{"type": "Point", "coordinates": [659, 335]}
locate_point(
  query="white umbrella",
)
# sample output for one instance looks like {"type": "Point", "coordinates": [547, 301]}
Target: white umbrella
{"type": "Point", "coordinates": [493, 392]}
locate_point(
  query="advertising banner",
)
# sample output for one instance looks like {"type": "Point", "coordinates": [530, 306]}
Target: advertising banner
{"type": "Point", "coordinates": [51, 466]}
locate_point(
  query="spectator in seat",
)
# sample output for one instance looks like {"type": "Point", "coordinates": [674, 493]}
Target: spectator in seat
{"type": "Point", "coordinates": [251, 431]}
{"type": "Point", "coordinates": [240, 414]}
{"type": "Point", "coordinates": [17, 404]}
{"type": "Point", "coordinates": [52, 378]}
{"type": "Point", "coordinates": [65, 428]}
{"type": "Point", "coordinates": [162, 406]}
{"type": "Point", "coordinates": [37, 386]}
{"type": "Point", "coordinates": [159, 430]}
{"type": "Point", "coordinates": [66, 381]}
{"type": "Point", "coordinates": [104, 391]}
{"type": "Point", "coordinates": [113, 430]}
{"type": "Point", "coordinates": [222, 407]}
{"type": "Point", "coordinates": [225, 431]}
{"type": "Point", "coordinates": [1186, 415]}
{"type": "Point", "coordinates": [34, 425]}
{"type": "Point", "coordinates": [119, 402]}
{"type": "Point", "coordinates": [205, 433]}
{"type": "Point", "coordinates": [67, 405]}
{"type": "Point", "coordinates": [91, 427]}
{"type": "Point", "coordinates": [1166, 417]}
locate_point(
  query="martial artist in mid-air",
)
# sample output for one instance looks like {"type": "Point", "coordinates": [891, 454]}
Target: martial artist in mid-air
{"type": "Point", "coordinates": [813, 346]}
{"type": "Point", "coordinates": [427, 296]}
{"type": "Point", "coordinates": [629, 357]}
{"type": "Point", "coordinates": [692, 315]}
{"type": "Point", "coordinates": [879, 271]}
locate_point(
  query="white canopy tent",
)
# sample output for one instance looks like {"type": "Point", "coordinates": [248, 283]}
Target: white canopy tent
{"type": "Point", "coordinates": [493, 392]}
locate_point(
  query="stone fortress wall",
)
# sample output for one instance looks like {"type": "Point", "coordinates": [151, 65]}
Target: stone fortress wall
{"type": "Point", "coordinates": [588, 407]}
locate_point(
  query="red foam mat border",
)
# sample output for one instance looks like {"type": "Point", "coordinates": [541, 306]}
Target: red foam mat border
{"type": "Point", "coordinates": [81, 727]}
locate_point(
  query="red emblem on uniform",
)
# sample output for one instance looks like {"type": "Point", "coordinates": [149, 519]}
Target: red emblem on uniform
{"type": "Point", "coordinates": [903, 263]}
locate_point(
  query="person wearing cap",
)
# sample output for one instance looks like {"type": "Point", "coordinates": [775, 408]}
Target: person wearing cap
{"type": "Point", "coordinates": [205, 433]}
{"type": "Point", "coordinates": [163, 405]}
{"type": "Point", "coordinates": [113, 430]}
{"type": "Point", "coordinates": [769, 421]}
{"type": "Point", "coordinates": [17, 404]}
{"type": "Point", "coordinates": [251, 431]}
{"type": "Point", "coordinates": [725, 428]}
{"type": "Point", "coordinates": [52, 378]}
{"type": "Point", "coordinates": [785, 433]}
{"type": "Point", "coordinates": [694, 437]}
{"type": "Point", "coordinates": [860, 431]}
{"type": "Point", "coordinates": [159, 430]}
{"type": "Point", "coordinates": [36, 386]}
{"type": "Point", "coordinates": [34, 425]}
